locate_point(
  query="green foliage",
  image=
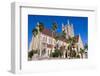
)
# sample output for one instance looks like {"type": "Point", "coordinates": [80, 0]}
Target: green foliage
{"type": "Point", "coordinates": [78, 56]}
{"type": "Point", "coordinates": [54, 26]}
{"type": "Point", "coordinates": [86, 46]}
{"type": "Point", "coordinates": [56, 37]}
{"type": "Point", "coordinates": [63, 34]}
{"type": "Point", "coordinates": [56, 53]}
{"type": "Point", "coordinates": [34, 32]}
{"type": "Point", "coordinates": [32, 52]}
{"type": "Point", "coordinates": [73, 54]}
{"type": "Point", "coordinates": [41, 26]}
{"type": "Point", "coordinates": [70, 40]}
{"type": "Point", "coordinates": [82, 50]}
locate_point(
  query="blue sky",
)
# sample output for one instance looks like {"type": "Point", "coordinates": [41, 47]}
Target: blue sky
{"type": "Point", "coordinates": [80, 24]}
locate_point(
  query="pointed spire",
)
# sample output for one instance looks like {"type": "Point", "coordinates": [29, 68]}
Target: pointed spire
{"type": "Point", "coordinates": [72, 29]}
{"type": "Point", "coordinates": [37, 23]}
{"type": "Point", "coordinates": [68, 22]}
{"type": "Point", "coordinates": [79, 34]}
{"type": "Point", "coordinates": [72, 26]}
{"type": "Point", "coordinates": [62, 26]}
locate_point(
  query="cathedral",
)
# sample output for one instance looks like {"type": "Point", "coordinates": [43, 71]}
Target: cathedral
{"type": "Point", "coordinates": [46, 44]}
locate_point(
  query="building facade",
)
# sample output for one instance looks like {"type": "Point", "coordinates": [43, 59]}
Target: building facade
{"type": "Point", "coordinates": [45, 42]}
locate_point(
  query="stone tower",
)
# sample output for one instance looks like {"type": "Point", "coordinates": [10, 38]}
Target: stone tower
{"type": "Point", "coordinates": [69, 30]}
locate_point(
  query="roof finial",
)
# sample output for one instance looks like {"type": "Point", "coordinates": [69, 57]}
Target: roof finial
{"type": "Point", "coordinates": [62, 26]}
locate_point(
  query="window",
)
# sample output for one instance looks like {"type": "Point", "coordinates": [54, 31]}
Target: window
{"type": "Point", "coordinates": [50, 41]}
{"type": "Point", "coordinates": [44, 39]}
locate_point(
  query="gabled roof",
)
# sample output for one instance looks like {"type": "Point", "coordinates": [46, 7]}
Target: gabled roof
{"type": "Point", "coordinates": [47, 32]}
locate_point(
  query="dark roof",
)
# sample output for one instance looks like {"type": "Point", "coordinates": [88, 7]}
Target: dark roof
{"type": "Point", "coordinates": [47, 32]}
{"type": "Point", "coordinates": [75, 38]}
{"type": "Point", "coordinates": [62, 39]}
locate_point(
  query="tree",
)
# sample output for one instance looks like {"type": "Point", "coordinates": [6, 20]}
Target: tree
{"type": "Point", "coordinates": [82, 51]}
{"type": "Point", "coordinates": [34, 32]}
{"type": "Point", "coordinates": [31, 53]}
{"type": "Point", "coordinates": [63, 34]}
{"type": "Point", "coordinates": [40, 27]}
{"type": "Point", "coordinates": [56, 53]}
{"type": "Point", "coordinates": [56, 37]}
{"type": "Point", "coordinates": [73, 53]}
{"type": "Point", "coordinates": [78, 56]}
{"type": "Point", "coordinates": [72, 42]}
{"type": "Point", "coordinates": [54, 28]}
{"type": "Point", "coordinates": [86, 47]}
{"type": "Point", "coordinates": [37, 31]}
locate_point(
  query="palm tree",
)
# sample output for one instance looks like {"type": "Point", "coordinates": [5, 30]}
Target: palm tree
{"type": "Point", "coordinates": [54, 28]}
{"type": "Point", "coordinates": [34, 32]}
{"type": "Point", "coordinates": [37, 31]}
{"type": "Point", "coordinates": [65, 52]}
{"type": "Point", "coordinates": [56, 37]}
{"type": "Point", "coordinates": [64, 34]}
{"type": "Point", "coordinates": [71, 41]}
{"type": "Point", "coordinates": [40, 27]}
{"type": "Point", "coordinates": [82, 51]}
{"type": "Point", "coordinates": [86, 47]}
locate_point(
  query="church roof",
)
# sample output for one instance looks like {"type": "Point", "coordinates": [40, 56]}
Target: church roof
{"type": "Point", "coordinates": [47, 32]}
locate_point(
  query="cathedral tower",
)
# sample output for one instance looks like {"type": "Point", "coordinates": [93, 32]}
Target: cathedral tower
{"type": "Point", "coordinates": [69, 30]}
